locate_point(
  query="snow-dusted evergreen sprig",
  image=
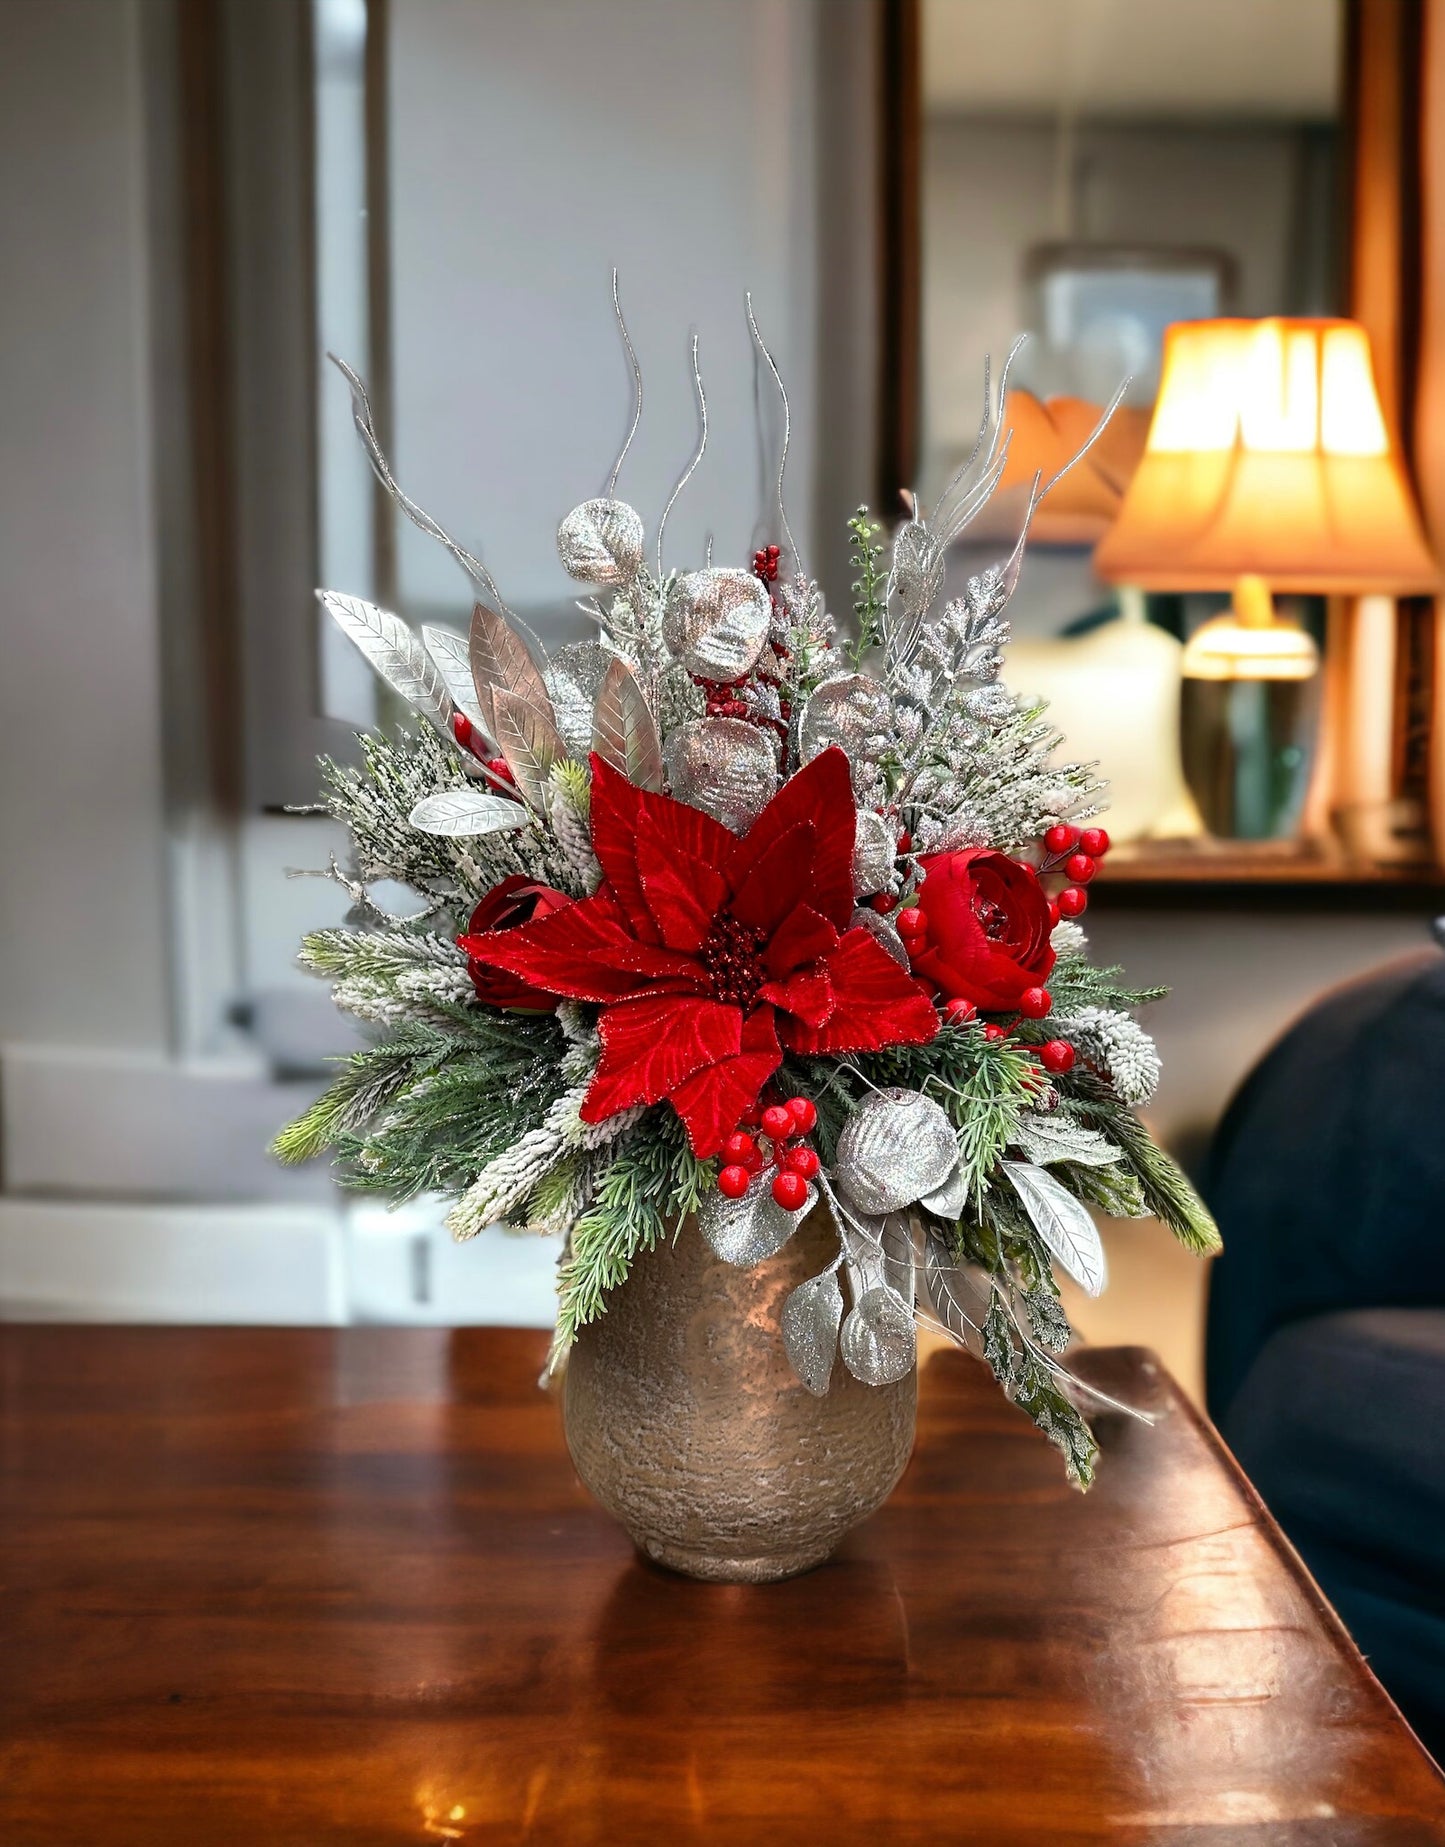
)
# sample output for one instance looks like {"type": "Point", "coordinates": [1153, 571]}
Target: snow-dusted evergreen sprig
{"type": "Point", "coordinates": [1118, 1046]}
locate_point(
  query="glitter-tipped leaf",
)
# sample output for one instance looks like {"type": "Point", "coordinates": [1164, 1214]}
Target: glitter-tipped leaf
{"type": "Point", "coordinates": [624, 731]}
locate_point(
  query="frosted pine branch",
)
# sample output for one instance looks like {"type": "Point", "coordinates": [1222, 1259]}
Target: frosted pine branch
{"type": "Point", "coordinates": [1119, 1047]}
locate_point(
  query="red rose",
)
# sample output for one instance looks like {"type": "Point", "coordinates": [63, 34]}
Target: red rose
{"type": "Point", "coordinates": [988, 929]}
{"type": "Point", "coordinates": [515, 901]}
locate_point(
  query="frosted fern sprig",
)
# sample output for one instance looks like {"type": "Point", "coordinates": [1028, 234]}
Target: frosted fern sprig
{"type": "Point", "coordinates": [1118, 1046]}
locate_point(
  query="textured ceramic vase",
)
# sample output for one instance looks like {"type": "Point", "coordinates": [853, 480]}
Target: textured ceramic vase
{"type": "Point", "coordinates": [686, 1420]}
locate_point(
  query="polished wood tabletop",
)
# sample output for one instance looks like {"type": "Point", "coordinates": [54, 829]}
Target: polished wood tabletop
{"type": "Point", "coordinates": [291, 1586]}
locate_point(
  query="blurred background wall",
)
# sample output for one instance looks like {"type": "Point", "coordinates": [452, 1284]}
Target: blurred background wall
{"type": "Point", "coordinates": [194, 202]}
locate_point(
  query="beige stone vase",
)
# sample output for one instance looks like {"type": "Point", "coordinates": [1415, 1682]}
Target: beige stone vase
{"type": "Point", "coordinates": [686, 1420]}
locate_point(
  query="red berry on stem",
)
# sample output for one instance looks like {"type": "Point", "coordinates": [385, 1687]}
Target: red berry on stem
{"type": "Point", "coordinates": [1054, 911]}
{"type": "Point", "coordinates": [802, 1161]}
{"type": "Point", "coordinates": [959, 1012]}
{"type": "Point", "coordinates": [777, 1122]}
{"type": "Point", "coordinates": [912, 922]}
{"type": "Point", "coordinates": [1058, 1056]}
{"type": "Point", "coordinates": [804, 1113]}
{"type": "Point", "coordinates": [1080, 868]}
{"type": "Point", "coordinates": [1061, 839]}
{"type": "Point", "coordinates": [740, 1146]}
{"type": "Point", "coordinates": [1034, 1003]}
{"type": "Point", "coordinates": [1072, 902]}
{"type": "Point", "coordinates": [1095, 842]}
{"type": "Point", "coordinates": [790, 1189]}
{"type": "Point", "coordinates": [994, 1033]}
{"type": "Point", "coordinates": [884, 902]}
{"type": "Point", "coordinates": [905, 841]}
{"type": "Point", "coordinates": [733, 1181]}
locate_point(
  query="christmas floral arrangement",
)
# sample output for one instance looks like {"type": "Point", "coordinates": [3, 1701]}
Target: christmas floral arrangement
{"type": "Point", "coordinates": [724, 915]}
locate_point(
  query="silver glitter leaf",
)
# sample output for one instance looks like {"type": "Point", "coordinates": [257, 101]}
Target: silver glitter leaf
{"type": "Point", "coordinates": [745, 1231]}
{"type": "Point", "coordinates": [601, 543]}
{"type": "Point", "coordinates": [851, 710]}
{"type": "Point", "coordinates": [716, 623]}
{"type": "Point", "coordinates": [501, 663]}
{"type": "Point", "coordinates": [453, 663]}
{"type": "Point", "coordinates": [395, 653]}
{"type": "Point", "coordinates": [959, 1293]}
{"type": "Point", "coordinates": [879, 1341]}
{"type": "Point", "coordinates": [879, 926]}
{"type": "Point", "coordinates": [948, 1200]}
{"type": "Point", "coordinates": [875, 845]}
{"type": "Point", "coordinates": [724, 766]}
{"type": "Point", "coordinates": [461, 814]}
{"type": "Point", "coordinates": [573, 677]}
{"type": "Point", "coordinates": [811, 1317]}
{"type": "Point", "coordinates": [1056, 1138]}
{"type": "Point", "coordinates": [895, 1147]}
{"type": "Point", "coordinates": [529, 743]}
{"type": "Point", "coordinates": [624, 732]}
{"type": "Point", "coordinates": [1062, 1222]}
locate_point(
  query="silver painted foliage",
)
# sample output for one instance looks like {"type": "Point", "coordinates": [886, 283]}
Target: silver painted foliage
{"type": "Point", "coordinates": [453, 662]}
{"type": "Point", "coordinates": [573, 677]}
{"type": "Point", "coordinates": [811, 1318]}
{"type": "Point", "coordinates": [1062, 1222]}
{"type": "Point", "coordinates": [601, 542]}
{"type": "Point", "coordinates": [463, 814]}
{"type": "Point", "coordinates": [529, 742]}
{"type": "Point", "coordinates": [724, 766]}
{"type": "Point", "coordinates": [624, 732]}
{"type": "Point", "coordinates": [717, 623]}
{"type": "Point", "coordinates": [395, 653]}
{"type": "Point", "coordinates": [879, 1341]}
{"type": "Point", "coordinates": [745, 1231]}
{"type": "Point", "coordinates": [895, 1147]}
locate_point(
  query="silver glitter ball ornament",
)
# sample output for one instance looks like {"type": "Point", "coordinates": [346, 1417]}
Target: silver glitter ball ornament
{"type": "Point", "coordinates": [879, 1341]}
{"type": "Point", "coordinates": [895, 1147]}
{"type": "Point", "coordinates": [875, 846]}
{"type": "Point", "coordinates": [745, 1231]}
{"type": "Point", "coordinates": [726, 767]}
{"type": "Point", "coordinates": [573, 676]}
{"type": "Point", "coordinates": [851, 710]}
{"type": "Point", "coordinates": [717, 622]}
{"type": "Point", "coordinates": [601, 543]}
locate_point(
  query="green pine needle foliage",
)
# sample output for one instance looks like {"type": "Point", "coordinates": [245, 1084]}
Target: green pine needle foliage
{"type": "Point", "coordinates": [649, 1186]}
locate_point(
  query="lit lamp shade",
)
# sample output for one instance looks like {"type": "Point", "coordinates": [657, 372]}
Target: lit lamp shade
{"type": "Point", "coordinates": [1268, 454]}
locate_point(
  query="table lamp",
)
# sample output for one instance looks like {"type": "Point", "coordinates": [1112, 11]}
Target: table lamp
{"type": "Point", "coordinates": [1268, 466]}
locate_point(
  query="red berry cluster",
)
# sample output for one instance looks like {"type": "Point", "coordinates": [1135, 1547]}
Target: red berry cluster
{"type": "Point", "coordinates": [1075, 852]}
{"type": "Point", "coordinates": [765, 563]}
{"type": "Point", "coordinates": [722, 699]}
{"type": "Point", "coordinates": [784, 1125]}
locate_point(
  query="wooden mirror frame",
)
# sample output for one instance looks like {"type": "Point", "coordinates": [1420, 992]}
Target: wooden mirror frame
{"type": "Point", "coordinates": [1393, 195]}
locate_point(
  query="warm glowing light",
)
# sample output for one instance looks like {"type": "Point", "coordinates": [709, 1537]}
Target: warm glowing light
{"type": "Point", "coordinates": [1269, 453]}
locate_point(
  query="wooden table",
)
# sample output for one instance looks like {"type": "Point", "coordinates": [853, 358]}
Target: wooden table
{"type": "Point", "coordinates": [294, 1586]}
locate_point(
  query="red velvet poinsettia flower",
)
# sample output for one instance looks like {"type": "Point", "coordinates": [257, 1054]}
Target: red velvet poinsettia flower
{"type": "Point", "coordinates": [708, 954]}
